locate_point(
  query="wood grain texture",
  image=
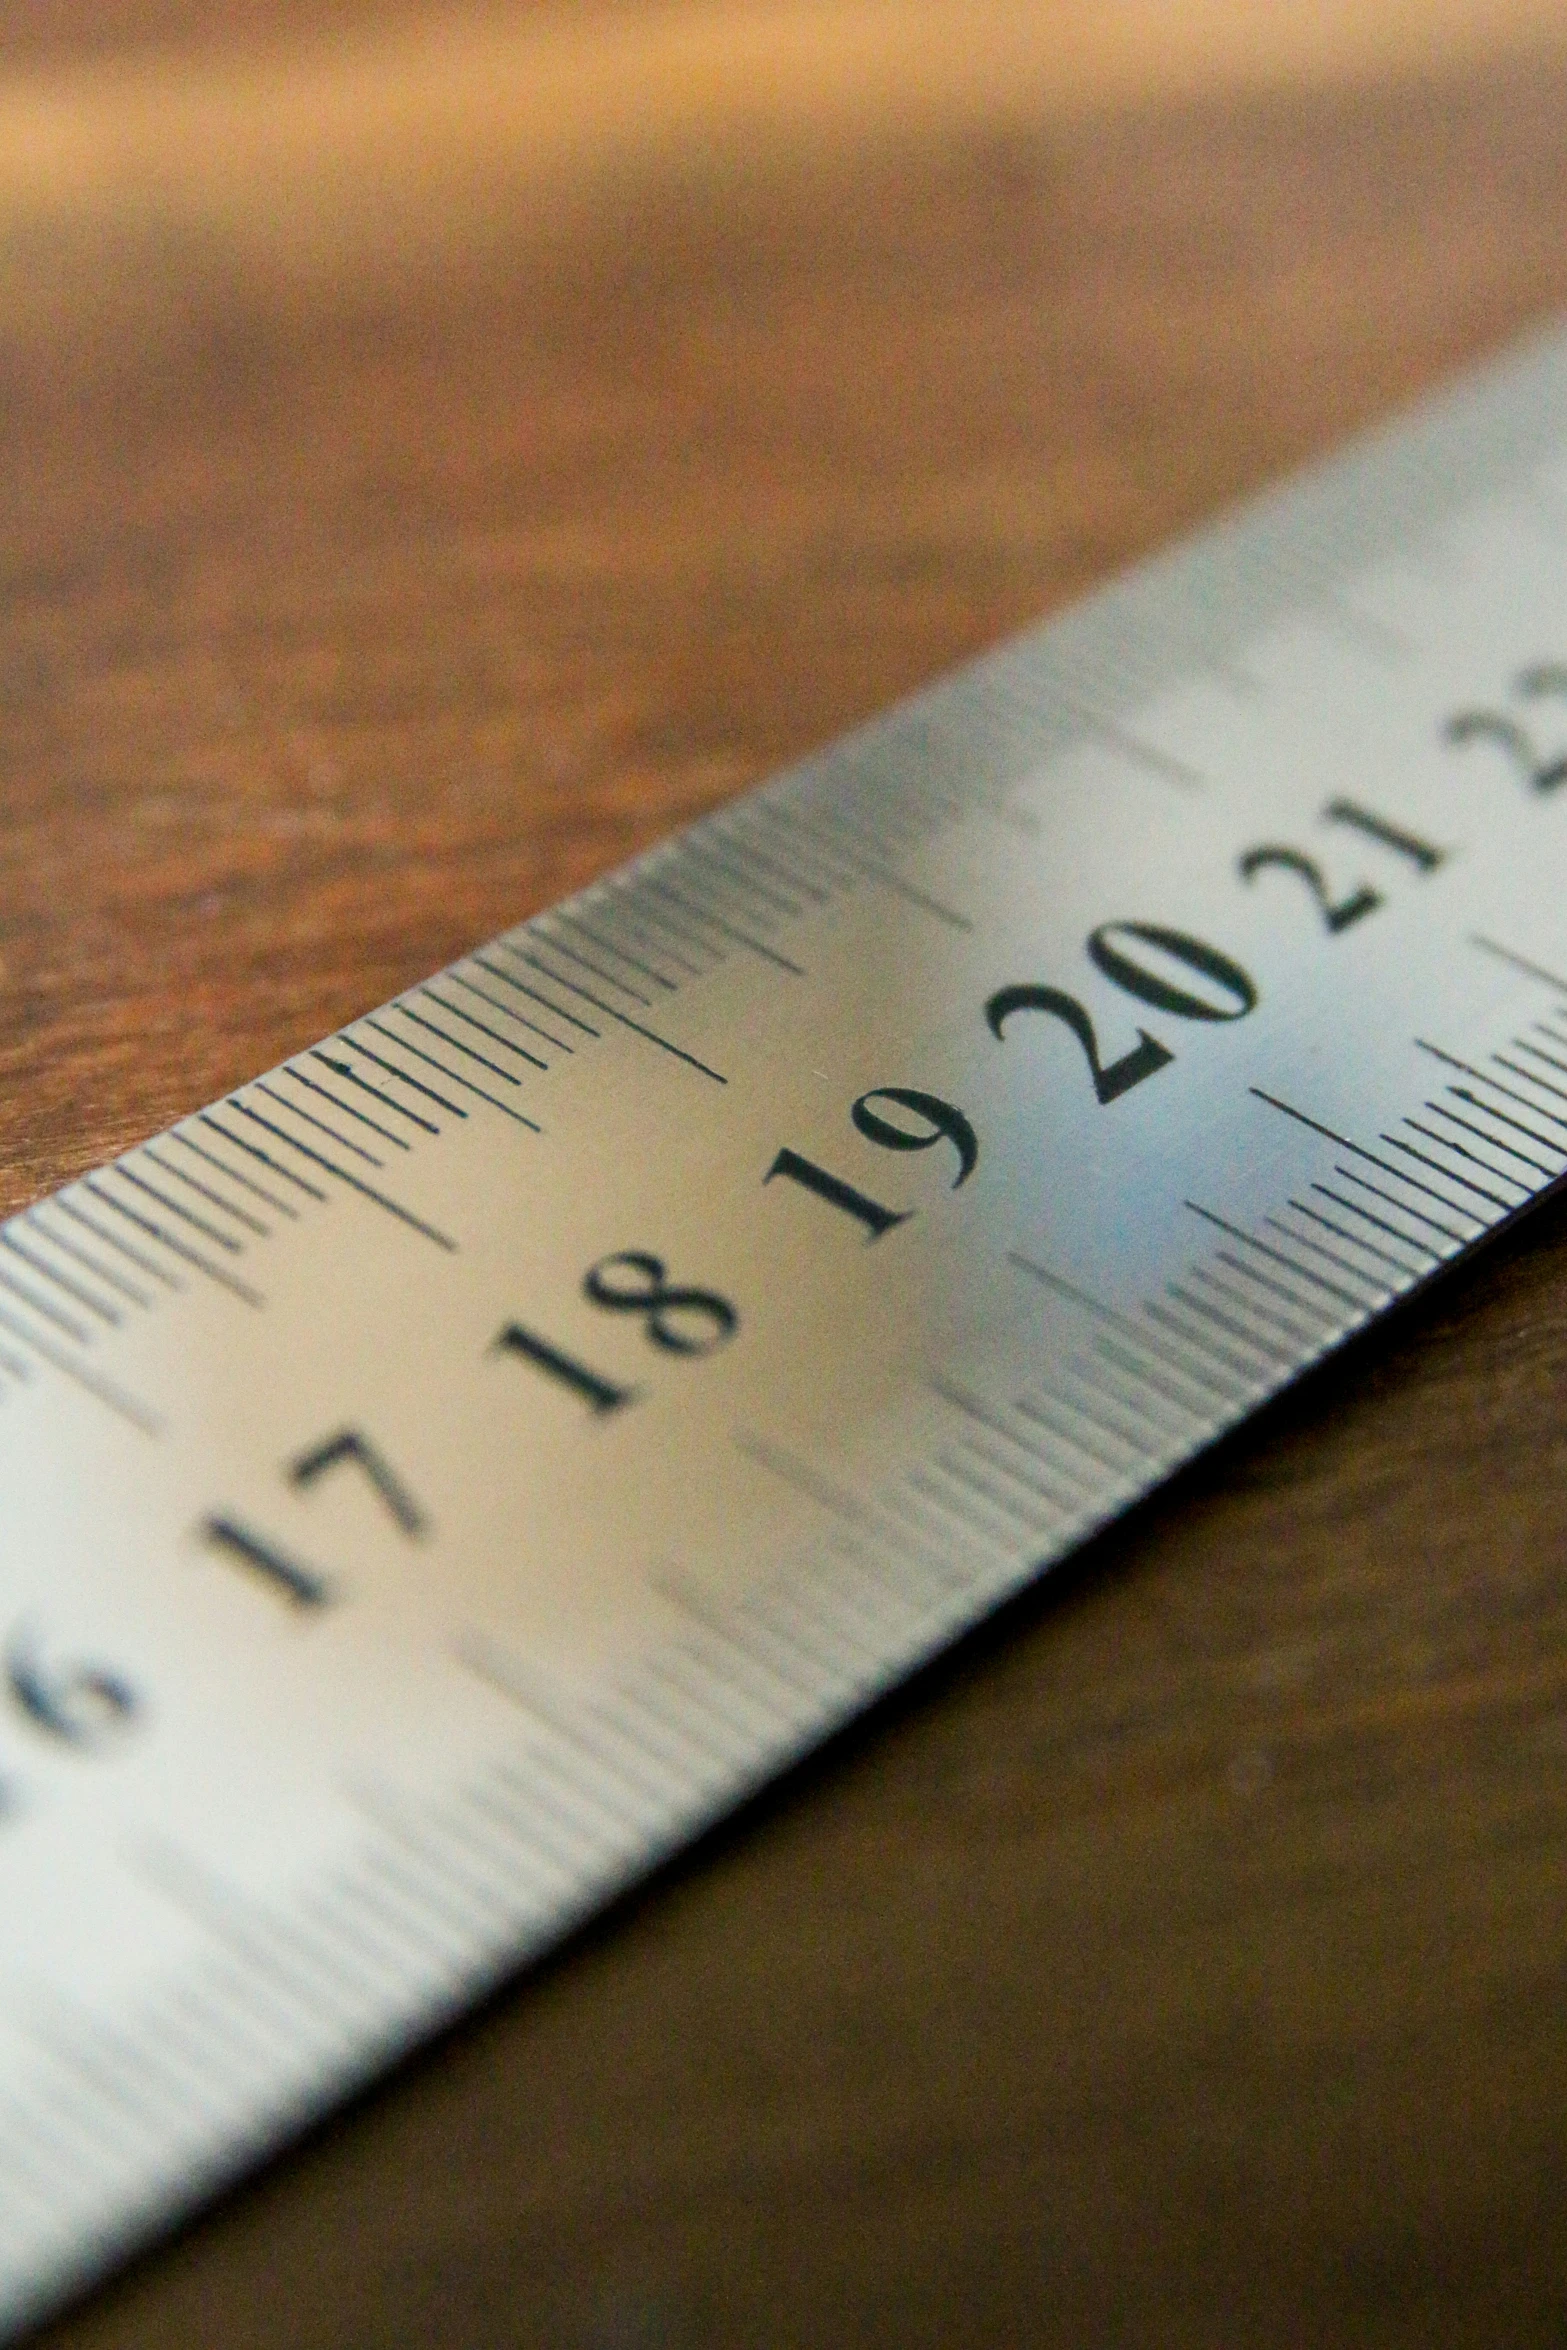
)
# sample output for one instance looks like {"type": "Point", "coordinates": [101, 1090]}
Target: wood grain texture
{"type": "Point", "coordinates": [1183, 1962]}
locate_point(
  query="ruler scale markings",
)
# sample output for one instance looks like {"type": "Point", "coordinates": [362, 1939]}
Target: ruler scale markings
{"type": "Point", "coordinates": [1375, 1291]}
{"type": "Point", "coordinates": [625, 1807]}
{"type": "Point", "coordinates": [707, 916]}
{"type": "Point", "coordinates": [141, 2082]}
{"type": "Point", "coordinates": [1398, 1174]}
{"type": "Point", "coordinates": [1033, 1408]}
{"type": "Point", "coordinates": [345, 1109]}
{"type": "Point", "coordinates": [841, 1624]}
{"type": "Point", "coordinates": [906, 889]}
{"type": "Point", "coordinates": [1277, 1256]}
{"type": "Point", "coordinates": [1175, 1373]}
{"type": "Point", "coordinates": [888, 809]}
{"type": "Point", "coordinates": [550, 933]}
{"type": "Point", "coordinates": [110, 2096]}
{"type": "Point", "coordinates": [641, 1721]}
{"type": "Point", "coordinates": [711, 1620]}
{"type": "Point", "coordinates": [1093, 1411]}
{"type": "Point", "coordinates": [1519, 962]}
{"type": "Point", "coordinates": [1485, 1109]}
{"type": "Point", "coordinates": [353, 1907]}
{"type": "Point", "coordinates": [998, 1427]}
{"type": "Point", "coordinates": [106, 1391]}
{"type": "Point", "coordinates": [354, 1924]}
{"type": "Point", "coordinates": [741, 938]}
{"type": "Point", "coordinates": [503, 1011]}
{"type": "Point", "coordinates": [1178, 1358]}
{"type": "Point", "coordinates": [831, 864]}
{"type": "Point", "coordinates": [456, 1044]}
{"type": "Point", "coordinates": [655, 928]}
{"type": "Point", "coordinates": [581, 1803]}
{"type": "Point", "coordinates": [1357, 1240]}
{"type": "Point", "coordinates": [69, 1287]}
{"type": "Point", "coordinates": [480, 1028]}
{"type": "Point", "coordinates": [115, 1241]}
{"type": "Point", "coordinates": [296, 1110]}
{"type": "Point", "coordinates": [346, 1175]}
{"type": "Point", "coordinates": [1183, 1360]}
{"type": "Point", "coordinates": [353, 1076]}
{"type": "Point", "coordinates": [734, 877]}
{"type": "Point", "coordinates": [217, 1913]}
{"type": "Point", "coordinates": [607, 943]}
{"type": "Point", "coordinates": [396, 1919]}
{"type": "Point", "coordinates": [1476, 1158]}
{"type": "Point", "coordinates": [719, 1698]}
{"type": "Point", "coordinates": [39, 1305]}
{"type": "Point", "coordinates": [638, 1028]}
{"type": "Point", "coordinates": [1541, 1084]}
{"type": "Point", "coordinates": [1535, 1054]}
{"type": "Point", "coordinates": [828, 1670]}
{"type": "Point", "coordinates": [707, 861]}
{"type": "Point", "coordinates": [406, 1077]}
{"type": "Point", "coordinates": [226, 2026]}
{"type": "Point", "coordinates": [1482, 1077]}
{"type": "Point", "coordinates": [176, 1174]}
{"type": "Point", "coordinates": [837, 1637]}
{"type": "Point", "coordinates": [858, 857]}
{"type": "Point", "coordinates": [1454, 1174]}
{"type": "Point", "coordinates": [1251, 1310]}
{"type": "Point", "coordinates": [509, 979]}
{"type": "Point", "coordinates": [1204, 1340]}
{"type": "Point", "coordinates": [493, 1664]}
{"type": "Point", "coordinates": [561, 1011]}
{"type": "Point", "coordinates": [974, 1512]}
{"type": "Point", "coordinates": [782, 1621]}
{"type": "Point", "coordinates": [490, 1896]}
{"type": "Point", "coordinates": [1400, 1206]}
{"type": "Point", "coordinates": [1133, 1395]}
{"type": "Point", "coordinates": [167, 1239]}
{"type": "Point", "coordinates": [712, 900]}
{"type": "Point", "coordinates": [256, 1150]}
{"type": "Point", "coordinates": [955, 1465]}
{"type": "Point", "coordinates": [639, 1699]}
{"type": "Point", "coordinates": [184, 1215]}
{"type": "Point", "coordinates": [846, 1579]}
{"type": "Point", "coordinates": [864, 1517]}
{"type": "Point", "coordinates": [788, 882]}
{"type": "Point", "coordinates": [569, 1802]}
{"type": "Point", "coordinates": [793, 826]}
{"type": "Point", "coordinates": [1246, 1271]}
{"type": "Point", "coordinates": [431, 1894]}
{"type": "Point", "coordinates": [665, 944]}
{"type": "Point", "coordinates": [1146, 1382]}
{"type": "Point", "coordinates": [911, 1518]}
{"type": "Point", "coordinates": [78, 1255]}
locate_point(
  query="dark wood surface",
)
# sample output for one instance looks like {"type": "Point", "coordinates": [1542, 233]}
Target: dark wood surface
{"type": "Point", "coordinates": [1185, 1961]}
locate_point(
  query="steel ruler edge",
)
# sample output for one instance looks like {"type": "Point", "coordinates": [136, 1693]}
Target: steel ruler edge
{"type": "Point", "coordinates": [229, 1895]}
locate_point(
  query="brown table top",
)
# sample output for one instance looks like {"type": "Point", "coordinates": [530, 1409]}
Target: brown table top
{"type": "Point", "coordinates": [402, 524]}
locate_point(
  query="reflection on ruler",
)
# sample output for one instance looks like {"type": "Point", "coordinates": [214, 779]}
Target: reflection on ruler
{"type": "Point", "coordinates": [448, 1472]}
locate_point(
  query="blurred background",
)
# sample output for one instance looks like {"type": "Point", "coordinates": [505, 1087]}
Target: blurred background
{"type": "Point", "coordinates": [445, 447]}
{"type": "Point", "coordinates": [461, 441]}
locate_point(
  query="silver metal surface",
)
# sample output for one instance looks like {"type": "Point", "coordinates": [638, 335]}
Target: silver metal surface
{"type": "Point", "coordinates": [447, 1473]}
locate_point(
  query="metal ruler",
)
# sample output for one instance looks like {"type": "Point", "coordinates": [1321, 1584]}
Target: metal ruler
{"type": "Point", "coordinates": [447, 1472]}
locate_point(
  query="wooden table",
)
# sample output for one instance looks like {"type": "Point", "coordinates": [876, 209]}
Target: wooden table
{"type": "Point", "coordinates": [399, 526]}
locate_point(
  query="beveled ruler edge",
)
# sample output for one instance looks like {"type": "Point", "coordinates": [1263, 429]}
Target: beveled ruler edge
{"type": "Point", "coordinates": [975, 734]}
